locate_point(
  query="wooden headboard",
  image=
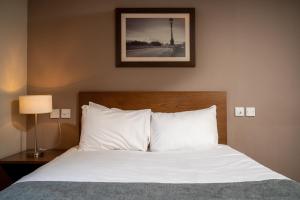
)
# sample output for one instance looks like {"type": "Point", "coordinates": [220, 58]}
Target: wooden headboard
{"type": "Point", "coordinates": [162, 102]}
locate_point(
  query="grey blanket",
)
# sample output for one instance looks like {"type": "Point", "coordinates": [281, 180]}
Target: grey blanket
{"type": "Point", "coordinates": [269, 189]}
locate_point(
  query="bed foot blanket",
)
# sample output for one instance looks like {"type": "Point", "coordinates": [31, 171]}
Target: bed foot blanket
{"type": "Point", "coordinates": [268, 189]}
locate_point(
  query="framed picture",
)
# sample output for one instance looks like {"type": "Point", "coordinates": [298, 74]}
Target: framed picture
{"type": "Point", "coordinates": [155, 37]}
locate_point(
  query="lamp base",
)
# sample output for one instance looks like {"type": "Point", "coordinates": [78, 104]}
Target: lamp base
{"type": "Point", "coordinates": [34, 154]}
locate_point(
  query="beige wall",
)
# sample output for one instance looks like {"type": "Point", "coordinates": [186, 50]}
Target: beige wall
{"type": "Point", "coordinates": [248, 48]}
{"type": "Point", "coordinates": [13, 74]}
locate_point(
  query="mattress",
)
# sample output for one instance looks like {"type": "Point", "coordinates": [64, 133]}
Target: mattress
{"type": "Point", "coordinates": [221, 164]}
{"type": "Point", "coordinates": [216, 173]}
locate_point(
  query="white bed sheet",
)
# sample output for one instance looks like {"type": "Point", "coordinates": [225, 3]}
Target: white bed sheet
{"type": "Point", "coordinates": [216, 165]}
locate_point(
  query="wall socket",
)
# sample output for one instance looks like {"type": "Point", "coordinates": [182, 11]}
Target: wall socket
{"type": "Point", "coordinates": [65, 113]}
{"type": "Point", "coordinates": [250, 111]}
{"type": "Point", "coordinates": [55, 114]}
{"type": "Point", "coordinates": [239, 111]}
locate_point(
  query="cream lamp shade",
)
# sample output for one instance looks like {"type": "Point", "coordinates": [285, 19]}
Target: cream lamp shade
{"type": "Point", "coordinates": [35, 104]}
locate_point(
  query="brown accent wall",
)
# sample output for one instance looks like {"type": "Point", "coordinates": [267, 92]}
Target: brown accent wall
{"type": "Point", "coordinates": [13, 75]}
{"type": "Point", "coordinates": [248, 48]}
{"type": "Point", "coordinates": [13, 79]}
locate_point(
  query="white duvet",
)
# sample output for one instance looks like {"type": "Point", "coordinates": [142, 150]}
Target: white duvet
{"type": "Point", "coordinates": [216, 165]}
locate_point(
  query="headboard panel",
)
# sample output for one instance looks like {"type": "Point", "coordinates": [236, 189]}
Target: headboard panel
{"type": "Point", "coordinates": [162, 102]}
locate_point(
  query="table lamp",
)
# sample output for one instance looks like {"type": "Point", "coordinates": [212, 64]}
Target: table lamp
{"type": "Point", "coordinates": [35, 104]}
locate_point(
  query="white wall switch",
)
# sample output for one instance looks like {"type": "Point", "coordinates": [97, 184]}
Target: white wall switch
{"type": "Point", "coordinates": [55, 114]}
{"type": "Point", "coordinates": [250, 111]}
{"type": "Point", "coordinates": [65, 113]}
{"type": "Point", "coordinates": [239, 111]}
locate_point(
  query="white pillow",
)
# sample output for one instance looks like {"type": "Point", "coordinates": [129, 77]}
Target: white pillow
{"type": "Point", "coordinates": [84, 112]}
{"type": "Point", "coordinates": [184, 130]}
{"type": "Point", "coordinates": [111, 129]}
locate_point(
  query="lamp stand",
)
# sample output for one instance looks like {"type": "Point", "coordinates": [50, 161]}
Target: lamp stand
{"type": "Point", "coordinates": [36, 153]}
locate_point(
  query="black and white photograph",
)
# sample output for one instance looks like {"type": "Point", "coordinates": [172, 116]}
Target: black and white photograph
{"type": "Point", "coordinates": [155, 37]}
{"type": "Point", "coordinates": [159, 37]}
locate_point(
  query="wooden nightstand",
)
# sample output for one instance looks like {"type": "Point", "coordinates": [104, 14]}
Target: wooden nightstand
{"type": "Point", "coordinates": [19, 165]}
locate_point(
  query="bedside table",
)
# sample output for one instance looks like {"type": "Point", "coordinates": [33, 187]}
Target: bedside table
{"type": "Point", "coordinates": [19, 165]}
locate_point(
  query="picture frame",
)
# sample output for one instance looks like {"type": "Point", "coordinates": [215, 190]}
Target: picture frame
{"type": "Point", "coordinates": [155, 37]}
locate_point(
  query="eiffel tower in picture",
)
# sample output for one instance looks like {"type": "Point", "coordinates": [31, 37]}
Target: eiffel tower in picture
{"type": "Point", "coordinates": [172, 39]}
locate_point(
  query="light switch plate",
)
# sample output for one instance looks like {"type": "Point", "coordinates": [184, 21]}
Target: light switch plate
{"type": "Point", "coordinates": [65, 113]}
{"type": "Point", "coordinates": [250, 111]}
{"type": "Point", "coordinates": [55, 114]}
{"type": "Point", "coordinates": [239, 111]}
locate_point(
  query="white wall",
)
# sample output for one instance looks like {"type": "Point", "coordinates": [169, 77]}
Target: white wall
{"type": "Point", "coordinates": [13, 74]}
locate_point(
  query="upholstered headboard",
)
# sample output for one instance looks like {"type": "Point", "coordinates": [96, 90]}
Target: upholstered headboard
{"type": "Point", "coordinates": [162, 102]}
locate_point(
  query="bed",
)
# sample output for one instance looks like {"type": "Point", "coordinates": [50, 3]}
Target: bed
{"type": "Point", "coordinates": [215, 173]}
